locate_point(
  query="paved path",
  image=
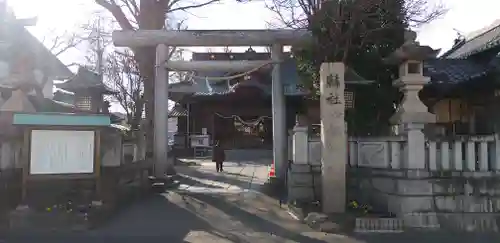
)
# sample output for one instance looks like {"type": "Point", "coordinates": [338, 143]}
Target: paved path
{"type": "Point", "coordinates": [218, 207]}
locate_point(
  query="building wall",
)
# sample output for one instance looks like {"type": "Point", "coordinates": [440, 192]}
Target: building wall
{"type": "Point", "coordinates": [460, 117]}
{"type": "Point", "coordinates": [216, 115]}
{"type": "Point", "coordinates": [452, 110]}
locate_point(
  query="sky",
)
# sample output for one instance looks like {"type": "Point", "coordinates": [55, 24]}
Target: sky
{"type": "Point", "coordinates": [57, 16]}
{"type": "Point", "coordinates": [464, 16]}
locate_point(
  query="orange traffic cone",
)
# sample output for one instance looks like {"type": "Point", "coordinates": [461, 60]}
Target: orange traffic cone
{"type": "Point", "coordinates": [272, 173]}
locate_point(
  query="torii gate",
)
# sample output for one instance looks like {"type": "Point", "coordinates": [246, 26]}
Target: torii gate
{"type": "Point", "coordinates": [276, 39]}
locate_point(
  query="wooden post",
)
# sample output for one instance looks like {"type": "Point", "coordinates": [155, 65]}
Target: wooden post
{"type": "Point", "coordinates": [333, 137]}
{"type": "Point", "coordinates": [25, 158]}
{"type": "Point", "coordinates": [214, 116]}
{"type": "Point", "coordinates": [97, 163]}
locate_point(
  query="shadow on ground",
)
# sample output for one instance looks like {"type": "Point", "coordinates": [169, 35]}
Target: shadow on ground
{"type": "Point", "coordinates": [234, 180]}
{"type": "Point", "coordinates": [189, 181]}
{"type": "Point", "coordinates": [154, 219]}
{"type": "Point", "coordinates": [252, 221]}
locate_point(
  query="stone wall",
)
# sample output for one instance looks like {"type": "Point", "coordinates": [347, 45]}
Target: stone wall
{"type": "Point", "coordinates": [453, 200]}
{"type": "Point", "coordinates": [437, 196]}
{"type": "Point", "coordinates": [304, 179]}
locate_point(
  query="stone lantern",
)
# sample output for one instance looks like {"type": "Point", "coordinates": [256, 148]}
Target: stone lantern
{"type": "Point", "coordinates": [410, 57]}
{"type": "Point", "coordinates": [412, 115]}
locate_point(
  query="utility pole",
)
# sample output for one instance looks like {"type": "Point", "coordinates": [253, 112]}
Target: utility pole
{"type": "Point", "coordinates": [99, 64]}
{"type": "Point", "coordinates": [3, 9]}
{"type": "Point", "coordinates": [3, 20]}
{"type": "Point", "coordinates": [99, 50]}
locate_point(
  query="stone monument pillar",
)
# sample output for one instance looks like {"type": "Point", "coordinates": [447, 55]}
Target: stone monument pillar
{"type": "Point", "coordinates": [333, 137]}
{"type": "Point", "coordinates": [411, 116]}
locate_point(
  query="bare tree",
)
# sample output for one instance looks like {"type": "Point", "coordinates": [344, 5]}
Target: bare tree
{"type": "Point", "coordinates": [119, 67]}
{"type": "Point", "coordinates": [97, 40]}
{"type": "Point", "coordinates": [122, 75]}
{"type": "Point", "coordinates": [147, 15]}
{"type": "Point", "coordinates": [338, 25]}
{"type": "Point", "coordinates": [297, 14]}
{"type": "Point", "coordinates": [57, 44]}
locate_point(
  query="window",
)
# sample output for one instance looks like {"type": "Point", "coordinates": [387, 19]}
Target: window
{"type": "Point", "coordinates": [413, 68]}
{"type": "Point", "coordinates": [84, 103]}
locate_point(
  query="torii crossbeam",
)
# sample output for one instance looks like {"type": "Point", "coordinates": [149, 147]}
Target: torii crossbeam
{"type": "Point", "coordinates": [210, 37]}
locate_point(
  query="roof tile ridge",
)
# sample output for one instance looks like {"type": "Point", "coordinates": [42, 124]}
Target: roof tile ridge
{"type": "Point", "coordinates": [495, 26]}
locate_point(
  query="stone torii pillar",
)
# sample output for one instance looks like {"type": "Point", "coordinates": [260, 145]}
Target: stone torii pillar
{"type": "Point", "coordinates": [280, 134]}
{"type": "Point", "coordinates": [162, 165]}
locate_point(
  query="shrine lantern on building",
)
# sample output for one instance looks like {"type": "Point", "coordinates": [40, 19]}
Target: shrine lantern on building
{"type": "Point", "coordinates": [88, 89]}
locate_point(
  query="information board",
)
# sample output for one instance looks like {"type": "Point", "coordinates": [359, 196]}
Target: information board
{"type": "Point", "coordinates": [61, 152]}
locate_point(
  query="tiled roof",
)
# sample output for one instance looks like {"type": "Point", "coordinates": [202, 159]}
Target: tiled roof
{"type": "Point", "coordinates": [203, 87]}
{"type": "Point", "coordinates": [177, 111]}
{"type": "Point", "coordinates": [84, 79]}
{"type": "Point", "coordinates": [288, 74]}
{"type": "Point", "coordinates": [453, 71]}
{"type": "Point", "coordinates": [22, 38]}
{"type": "Point", "coordinates": [482, 42]}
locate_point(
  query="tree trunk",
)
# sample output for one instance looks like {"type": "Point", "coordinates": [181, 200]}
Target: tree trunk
{"type": "Point", "coordinates": [136, 115]}
{"type": "Point", "coordinates": [148, 71]}
{"type": "Point", "coordinates": [151, 17]}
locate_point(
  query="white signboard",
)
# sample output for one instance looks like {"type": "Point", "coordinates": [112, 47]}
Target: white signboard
{"type": "Point", "coordinates": [61, 152]}
{"type": "Point", "coordinates": [200, 141]}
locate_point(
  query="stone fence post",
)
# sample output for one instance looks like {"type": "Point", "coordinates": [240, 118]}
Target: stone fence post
{"type": "Point", "coordinates": [300, 145]}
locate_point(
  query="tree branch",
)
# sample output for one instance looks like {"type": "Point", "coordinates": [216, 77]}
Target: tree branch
{"type": "Point", "coordinates": [117, 13]}
{"type": "Point", "coordinates": [185, 8]}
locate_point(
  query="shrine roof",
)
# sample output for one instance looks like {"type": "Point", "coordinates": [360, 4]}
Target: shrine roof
{"type": "Point", "coordinates": [200, 86]}
{"type": "Point", "coordinates": [483, 40]}
{"type": "Point", "coordinates": [45, 58]}
{"type": "Point", "coordinates": [64, 96]}
{"type": "Point", "coordinates": [454, 71]}
{"type": "Point", "coordinates": [49, 105]}
{"type": "Point", "coordinates": [84, 79]}
{"type": "Point", "coordinates": [288, 74]}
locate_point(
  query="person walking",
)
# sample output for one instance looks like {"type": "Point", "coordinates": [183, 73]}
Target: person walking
{"type": "Point", "coordinates": [218, 156]}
